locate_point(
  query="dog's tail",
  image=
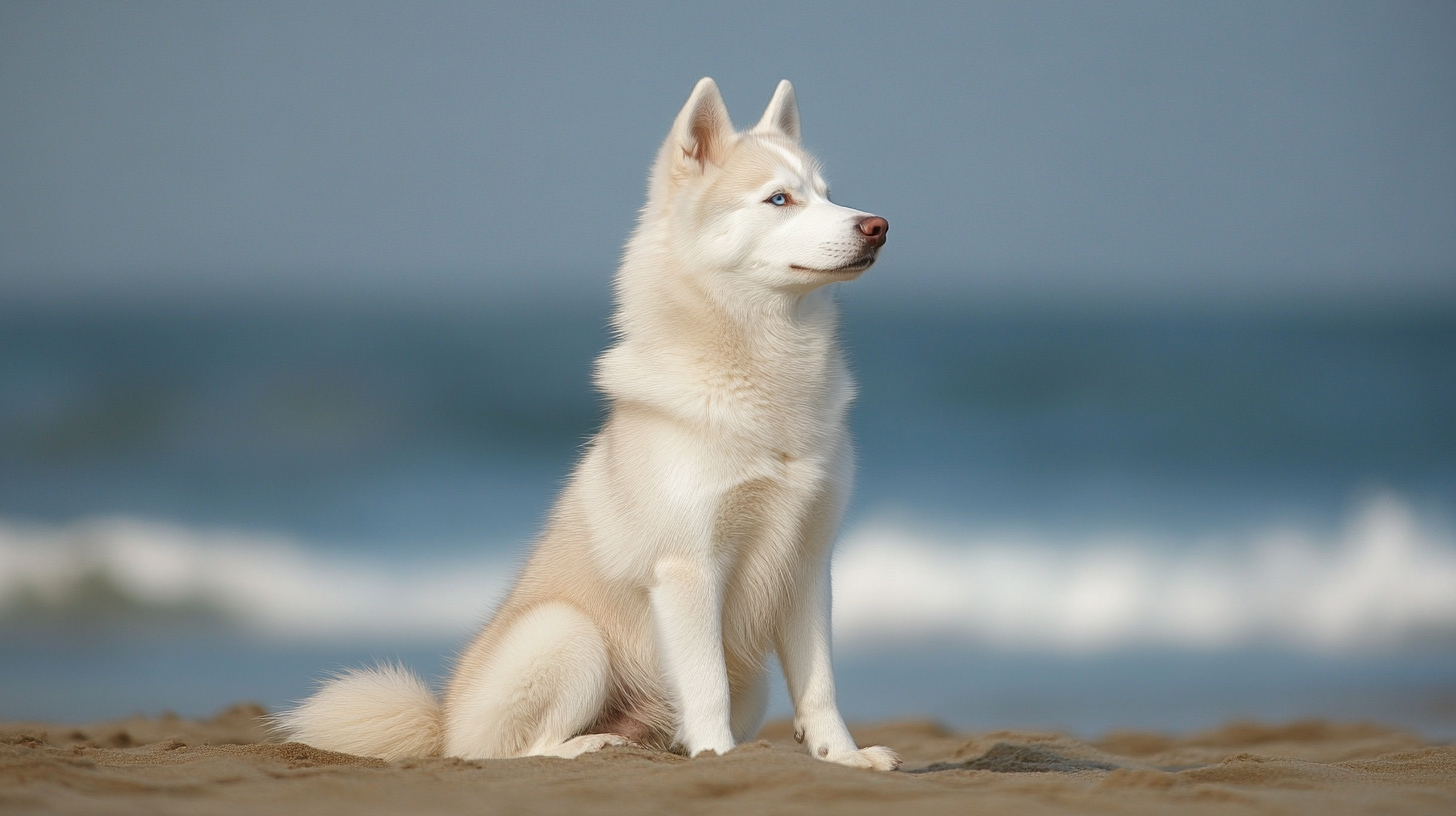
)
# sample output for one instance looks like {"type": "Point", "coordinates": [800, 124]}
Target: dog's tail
{"type": "Point", "coordinates": [384, 712]}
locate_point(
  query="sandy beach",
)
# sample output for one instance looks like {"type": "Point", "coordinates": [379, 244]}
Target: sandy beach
{"type": "Point", "coordinates": [227, 765]}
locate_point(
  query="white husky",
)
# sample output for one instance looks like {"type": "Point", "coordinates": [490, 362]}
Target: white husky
{"type": "Point", "coordinates": [694, 535]}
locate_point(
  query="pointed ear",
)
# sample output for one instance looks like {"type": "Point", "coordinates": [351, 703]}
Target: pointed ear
{"type": "Point", "coordinates": [782, 115]}
{"type": "Point", "coordinates": [703, 131]}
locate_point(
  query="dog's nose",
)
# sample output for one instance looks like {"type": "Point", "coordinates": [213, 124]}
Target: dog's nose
{"type": "Point", "coordinates": [873, 228]}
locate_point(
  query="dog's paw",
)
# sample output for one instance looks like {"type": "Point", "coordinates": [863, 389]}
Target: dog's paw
{"type": "Point", "coordinates": [874, 758]}
{"type": "Point", "coordinates": [584, 744]}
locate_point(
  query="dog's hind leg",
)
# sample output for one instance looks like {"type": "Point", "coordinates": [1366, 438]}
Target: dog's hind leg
{"type": "Point", "coordinates": [544, 682]}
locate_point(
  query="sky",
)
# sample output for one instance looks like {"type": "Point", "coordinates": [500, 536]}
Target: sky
{"type": "Point", "coordinates": [1108, 152]}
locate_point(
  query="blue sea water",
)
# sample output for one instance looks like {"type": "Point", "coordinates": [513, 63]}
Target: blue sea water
{"type": "Point", "coordinates": [151, 461]}
{"type": "Point", "coordinates": [370, 428]}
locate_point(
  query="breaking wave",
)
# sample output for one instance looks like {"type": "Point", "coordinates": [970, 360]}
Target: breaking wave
{"type": "Point", "coordinates": [265, 584]}
{"type": "Point", "coordinates": [1384, 580]}
{"type": "Point", "coordinates": [1387, 578]}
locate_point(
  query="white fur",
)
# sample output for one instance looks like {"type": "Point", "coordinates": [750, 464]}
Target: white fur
{"type": "Point", "coordinates": [694, 536]}
{"type": "Point", "coordinates": [385, 712]}
{"type": "Point", "coordinates": [504, 711]}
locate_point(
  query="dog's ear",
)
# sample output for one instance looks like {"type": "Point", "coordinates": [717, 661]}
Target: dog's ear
{"type": "Point", "coordinates": [703, 131]}
{"type": "Point", "coordinates": [782, 115]}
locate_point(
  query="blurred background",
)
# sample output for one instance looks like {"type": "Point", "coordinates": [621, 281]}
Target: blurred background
{"type": "Point", "coordinates": [1157, 425]}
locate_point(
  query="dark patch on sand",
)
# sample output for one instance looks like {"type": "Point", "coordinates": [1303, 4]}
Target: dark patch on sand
{"type": "Point", "coordinates": [1007, 758]}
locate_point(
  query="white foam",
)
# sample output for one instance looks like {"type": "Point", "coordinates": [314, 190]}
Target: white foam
{"type": "Point", "coordinates": [267, 584]}
{"type": "Point", "coordinates": [1384, 579]}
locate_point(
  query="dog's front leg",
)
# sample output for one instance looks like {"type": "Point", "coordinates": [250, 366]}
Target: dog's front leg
{"type": "Point", "coordinates": [687, 618]}
{"type": "Point", "coordinates": [804, 652]}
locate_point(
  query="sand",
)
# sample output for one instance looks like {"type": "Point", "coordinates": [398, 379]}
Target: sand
{"type": "Point", "coordinates": [227, 765]}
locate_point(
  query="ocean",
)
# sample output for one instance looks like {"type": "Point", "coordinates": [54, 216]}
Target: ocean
{"type": "Point", "coordinates": [1077, 520]}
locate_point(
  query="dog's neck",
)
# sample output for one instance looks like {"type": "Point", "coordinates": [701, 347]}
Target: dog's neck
{"type": "Point", "coordinates": [674, 310]}
{"type": "Point", "coordinates": [685, 346]}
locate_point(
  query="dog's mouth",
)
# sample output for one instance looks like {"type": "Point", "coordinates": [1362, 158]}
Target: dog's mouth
{"type": "Point", "coordinates": [854, 267]}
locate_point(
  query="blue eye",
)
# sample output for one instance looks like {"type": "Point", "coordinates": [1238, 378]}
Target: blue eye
{"type": "Point", "coordinates": [778, 199]}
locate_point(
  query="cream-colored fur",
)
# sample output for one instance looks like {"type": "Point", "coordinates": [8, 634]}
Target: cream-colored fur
{"type": "Point", "coordinates": [694, 535]}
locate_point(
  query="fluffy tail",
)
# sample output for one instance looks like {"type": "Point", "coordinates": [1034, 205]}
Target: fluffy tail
{"type": "Point", "coordinates": [384, 712]}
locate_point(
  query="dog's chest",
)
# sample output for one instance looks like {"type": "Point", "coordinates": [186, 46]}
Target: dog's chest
{"type": "Point", "coordinates": [751, 432]}
{"type": "Point", "coordinates": [787, 440]}
{"type": "Point", "coordinates": [781, 401]}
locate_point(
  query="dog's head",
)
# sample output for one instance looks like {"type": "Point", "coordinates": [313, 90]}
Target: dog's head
{"type": "Point", "coordinates": [753, 205]}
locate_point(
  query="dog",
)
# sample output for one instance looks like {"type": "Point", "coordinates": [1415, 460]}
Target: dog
{"type": "Point", "coordinates": [694, 534]}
